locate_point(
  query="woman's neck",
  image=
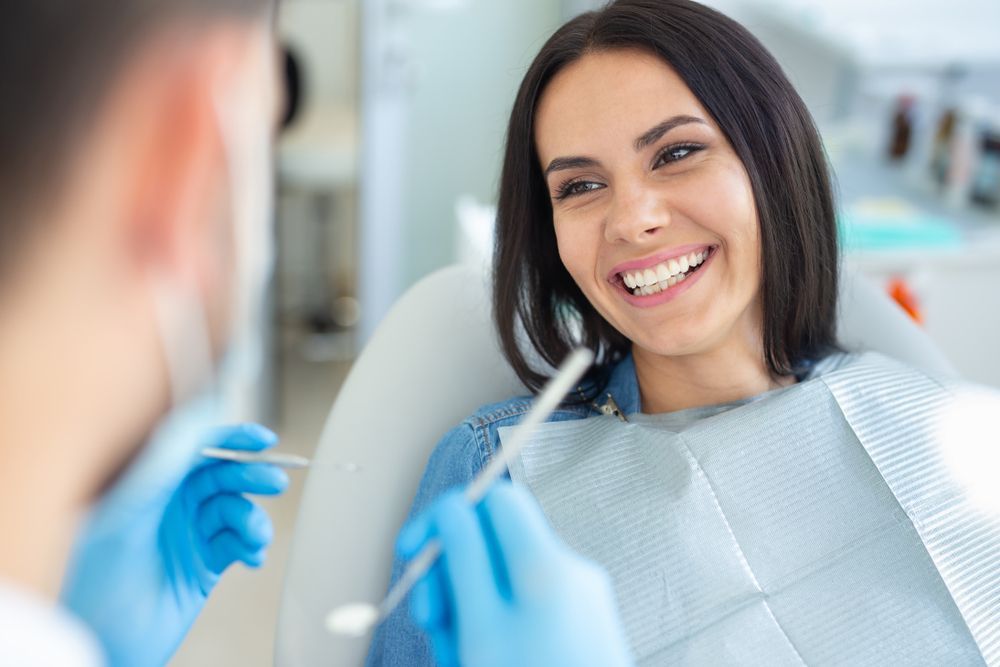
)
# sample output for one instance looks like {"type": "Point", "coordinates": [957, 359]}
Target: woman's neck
{"type": "Point", "coordinates": [722, 375]}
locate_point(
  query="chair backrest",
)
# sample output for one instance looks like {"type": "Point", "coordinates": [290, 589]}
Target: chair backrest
{"type": "Point", "coordinates": [432, 362]}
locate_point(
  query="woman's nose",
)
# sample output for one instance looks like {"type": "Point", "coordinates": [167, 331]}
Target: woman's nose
{"type": "Point", "coordinates": [636, 215]}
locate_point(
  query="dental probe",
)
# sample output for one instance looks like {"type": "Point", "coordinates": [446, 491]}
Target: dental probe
{"type": "Point", "coordinates": [356, 619]}
{"type": "Point", "coordinates": [245, 456]}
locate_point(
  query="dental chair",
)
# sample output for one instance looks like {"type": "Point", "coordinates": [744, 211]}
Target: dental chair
{"type": "Point", "coordinates": [432, 362]}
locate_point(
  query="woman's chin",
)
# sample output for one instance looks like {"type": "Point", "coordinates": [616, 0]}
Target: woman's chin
{"type": "Point", "coordinates": [666, 348]}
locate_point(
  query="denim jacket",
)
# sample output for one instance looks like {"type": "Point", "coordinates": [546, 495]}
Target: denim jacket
{"type": "Point", "coordinates": [456, 460]}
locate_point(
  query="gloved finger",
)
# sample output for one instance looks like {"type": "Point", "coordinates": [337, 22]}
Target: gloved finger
{"type": "Point", "coordinates": [226, 548]}
{"type": "Point", "coordinates": [466, 560]}
{"type": "Point", "coordinates": [445, 647]}
{"type": "Point", "coordinates": [414, 535]}
{"type": "Point", "coordinates": [524, 540]}
{"type": "Point", "coordinates": [257, 531]}
{"type": "Point", "coordinates": [431, 607]}
{"type": "Point", "coordinates": [247, 436]}
{"type": "Point", "coordinates": [235, 513]}
{"type": "Point", "coordinates": [429, 601]}
{"type": "Point", "coordinates": [254, 559]}
{"type": "Point", "coordinates": [229, 477]}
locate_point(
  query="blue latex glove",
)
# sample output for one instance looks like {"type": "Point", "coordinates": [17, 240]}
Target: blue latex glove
{"type": "Point", "coordinates": [506, 591]}
{"type": "Point", "coordinates": [140, 591]}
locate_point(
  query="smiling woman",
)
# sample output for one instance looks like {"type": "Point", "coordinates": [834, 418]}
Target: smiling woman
{"type": "Point", "coordinates": [759, 496]}
{"type": "Point", "coordinates": [625, 108]}
{"type": "Point", "coordinates": [643, 197]}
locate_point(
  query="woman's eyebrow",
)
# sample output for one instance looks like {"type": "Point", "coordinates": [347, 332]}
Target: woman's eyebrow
{"type": "Point", "coordinates": [652, 135]}
{"type": "Point", "coordinates": [561, 163]}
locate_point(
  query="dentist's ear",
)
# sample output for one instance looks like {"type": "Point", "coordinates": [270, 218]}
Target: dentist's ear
{"type": "Point", "coordinates": [175, 173]}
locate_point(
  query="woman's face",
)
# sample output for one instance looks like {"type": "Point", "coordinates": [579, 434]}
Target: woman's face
{"type": "Point", "coordinates": [653, 211]}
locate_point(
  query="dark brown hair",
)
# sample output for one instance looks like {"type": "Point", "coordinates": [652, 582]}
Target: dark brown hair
{"type": "Point", "coordinates": [57, 58]}
{"type": "Point", "coordinates": [767, 124]}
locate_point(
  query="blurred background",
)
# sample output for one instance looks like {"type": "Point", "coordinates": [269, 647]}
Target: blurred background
{"type": "Point", "coordinates": [388, 171]}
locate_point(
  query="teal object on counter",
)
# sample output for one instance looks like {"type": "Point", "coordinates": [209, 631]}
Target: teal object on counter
{"type": "Point", "coordinates": [894, 230]}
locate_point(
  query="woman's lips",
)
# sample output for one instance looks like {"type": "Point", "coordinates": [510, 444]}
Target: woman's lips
{"type": "Point", "coordinates": [659, 258]}
{"type": "Point", "coordinates": [674, 287]}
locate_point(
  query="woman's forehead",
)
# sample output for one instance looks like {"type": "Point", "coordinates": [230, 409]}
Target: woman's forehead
{"type": "Point", "coordinates": [609, 96]}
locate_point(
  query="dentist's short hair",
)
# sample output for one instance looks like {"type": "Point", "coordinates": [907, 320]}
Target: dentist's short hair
{"type": "Point", "coordinates": [57, 61]}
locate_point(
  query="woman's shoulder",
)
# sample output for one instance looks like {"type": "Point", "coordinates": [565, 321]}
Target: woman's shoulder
{"type": "Point", "coordinates": [875, 366]}
{"type": "Point", "coordinates": [891, 382]}
{"type": "Point", "coordinates": [469, 446]}
{"type": "Point", "coordinates": [880, 371]}
{"type": "Point", "coordinates": [481, 428]}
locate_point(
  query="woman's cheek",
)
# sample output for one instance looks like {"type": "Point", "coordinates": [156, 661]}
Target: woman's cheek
{"type": "Point", "coordinates": [570, 251]}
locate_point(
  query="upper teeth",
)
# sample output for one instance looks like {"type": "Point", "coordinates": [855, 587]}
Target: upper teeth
{"type": "Point", "coordinates": [665, 273]}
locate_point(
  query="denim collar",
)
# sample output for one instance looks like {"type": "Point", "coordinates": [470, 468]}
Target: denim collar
{"type": "Point", "coordinates": [623, 386]}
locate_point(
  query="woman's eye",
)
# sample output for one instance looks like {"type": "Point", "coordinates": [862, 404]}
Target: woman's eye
{"type": "Point", "coordinates": [576, 188]}
{"type": "Point", "coordinates": [675, 153]}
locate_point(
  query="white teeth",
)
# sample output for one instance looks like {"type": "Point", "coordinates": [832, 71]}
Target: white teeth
{"type": "Point", "coordinates": [664, 275]}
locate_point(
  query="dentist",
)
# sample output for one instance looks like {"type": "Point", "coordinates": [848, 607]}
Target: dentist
{"type": "Point", "coordinates": [135, 139]}
{"type": "Point", "coordinates": [134, 248]}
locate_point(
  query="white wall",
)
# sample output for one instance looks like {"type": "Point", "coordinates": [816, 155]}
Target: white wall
{"type": "Point", "coordinates": [440, 78]}
{"type": "Point", "coordinates": [326, 33]}
{"type": "Point", "coordinates": [468, 64]}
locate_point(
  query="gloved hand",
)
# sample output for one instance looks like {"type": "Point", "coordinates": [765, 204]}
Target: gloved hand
{"type": "Point", "coordinates": [141, 590]}
{"type": "Point", "coordinates": [506, 591]}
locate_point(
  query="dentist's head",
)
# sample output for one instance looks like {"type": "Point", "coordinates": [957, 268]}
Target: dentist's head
{"type": "Point", "coordinates": [135, 139]}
